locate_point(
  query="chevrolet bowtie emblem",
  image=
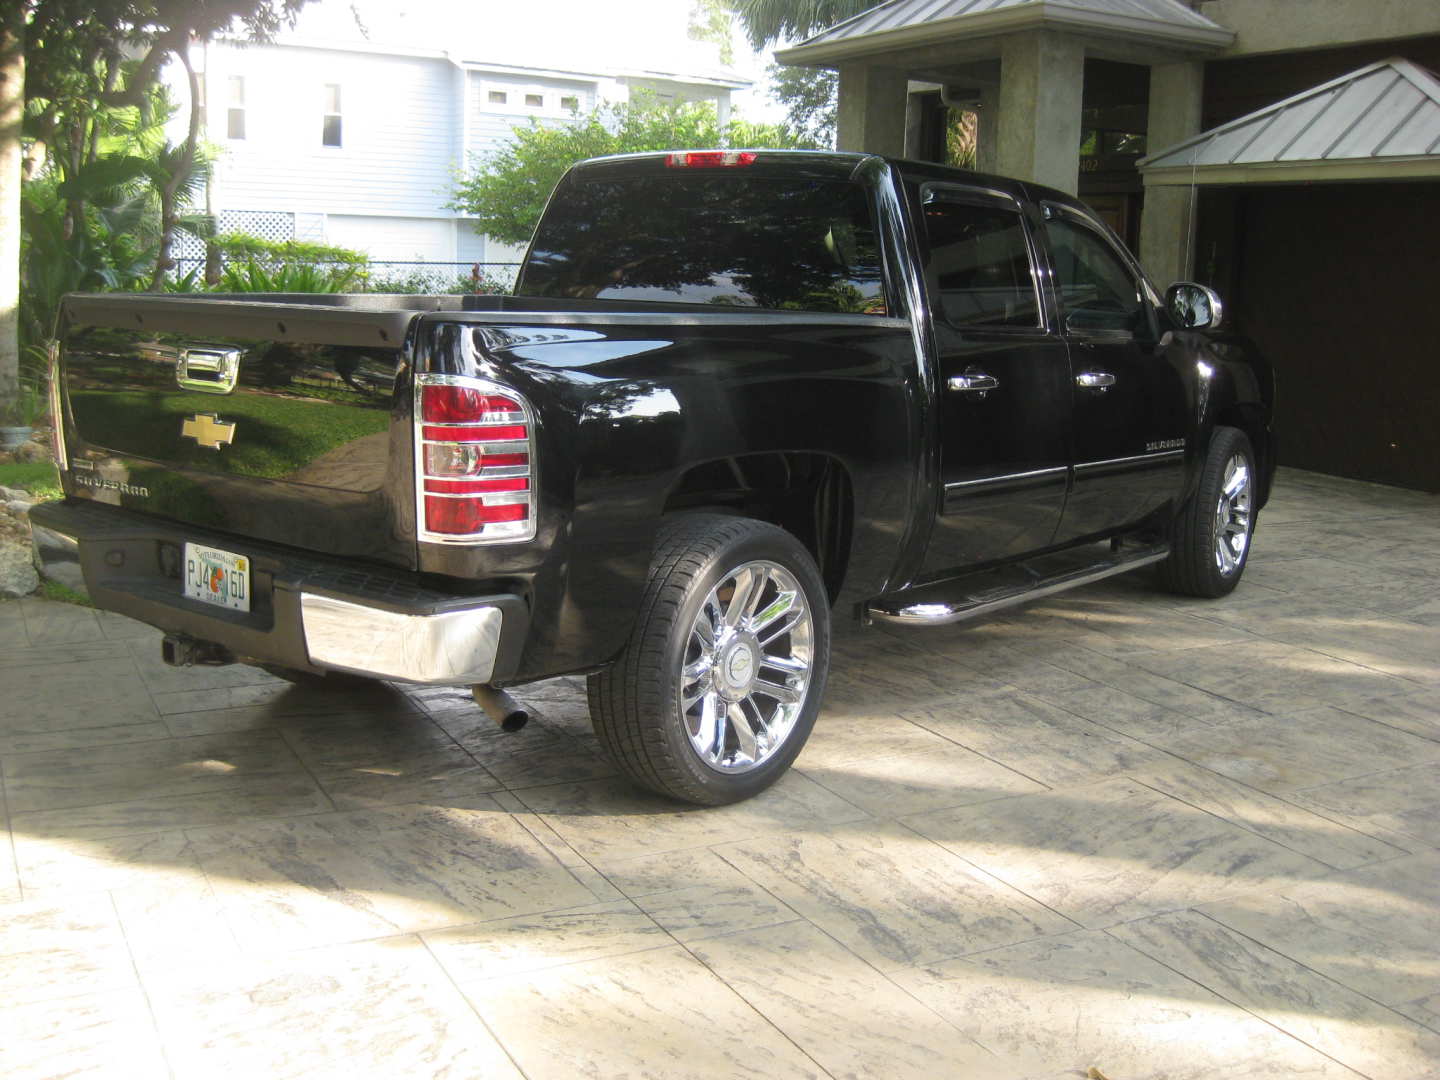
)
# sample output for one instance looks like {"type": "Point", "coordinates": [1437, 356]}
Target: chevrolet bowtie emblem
{"type": "Point", "coordinates": [207, 429]}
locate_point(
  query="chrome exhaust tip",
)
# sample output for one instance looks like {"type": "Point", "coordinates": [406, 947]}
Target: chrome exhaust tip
{"type": "Point", "coordinates": [500, 707]}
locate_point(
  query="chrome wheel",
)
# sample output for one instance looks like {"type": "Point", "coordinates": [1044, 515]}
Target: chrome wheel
{"type": "Point", "coordinates": [747, 667]}
{"type": "Point", "coordinates": [1232, 515]}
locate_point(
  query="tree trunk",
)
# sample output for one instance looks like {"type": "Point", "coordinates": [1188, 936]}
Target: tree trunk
{"type": "Point", "coordinates": [12, 108]}
{"type": "Point", "coordinates": [169, 192]}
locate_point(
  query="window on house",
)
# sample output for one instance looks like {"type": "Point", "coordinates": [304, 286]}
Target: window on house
{"type": "Point", "coordinates": [498, 97]}
{"type": "Point", "coordinates": [535, 101]}
{"type": "Point", "coordinates": [570, 104]}
{"type": "Point", "coordinates": [235, 113]}
{"type": "Point", "coordinates": [330, 134]}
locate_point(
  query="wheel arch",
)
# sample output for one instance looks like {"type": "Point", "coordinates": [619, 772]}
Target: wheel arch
{"type": "Point", "coordinates": [808, 494]}
{"type": "Point", "coordinates": [1250, 418]}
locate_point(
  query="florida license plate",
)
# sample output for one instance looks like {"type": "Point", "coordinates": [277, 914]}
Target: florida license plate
{"type": "Point", "coordinates": [217, 577]}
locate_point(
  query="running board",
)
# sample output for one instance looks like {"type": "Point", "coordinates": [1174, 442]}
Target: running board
{"type": "Point", "coordinates": [969, 597]}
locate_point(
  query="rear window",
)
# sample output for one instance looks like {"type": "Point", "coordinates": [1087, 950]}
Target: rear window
{"type": "Point", "coordinates": [725, 240]}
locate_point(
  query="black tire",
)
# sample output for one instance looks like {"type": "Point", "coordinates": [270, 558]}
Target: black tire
{"type": "Point", "coordinates": [636, 705]}
{"type": "Point", "coordinates": [1197, 566]}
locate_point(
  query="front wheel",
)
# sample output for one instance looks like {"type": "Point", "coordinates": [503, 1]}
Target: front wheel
{"type": "Point", "coordinates": [718, 687]}
{"type": "Point", "coordinates": [1211, 539]}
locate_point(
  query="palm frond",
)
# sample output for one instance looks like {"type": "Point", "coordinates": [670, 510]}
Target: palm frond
{"type": "Point", "coordinates": [769, 21]}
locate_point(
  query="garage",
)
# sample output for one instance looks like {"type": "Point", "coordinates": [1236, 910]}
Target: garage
{"type": "Point", "coordinates": [1316, 221]}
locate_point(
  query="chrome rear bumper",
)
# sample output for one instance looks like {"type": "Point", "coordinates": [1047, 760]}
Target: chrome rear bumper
{"type": "Point", "coordinates": [311, 613]}
{"type": "Point", "coordinates": [59, 555]}
{"type": "Point", "coordinates": [447, 647]}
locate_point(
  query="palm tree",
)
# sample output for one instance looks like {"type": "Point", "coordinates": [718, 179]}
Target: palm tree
{"type": "Point", "coordinates": [769, 21]}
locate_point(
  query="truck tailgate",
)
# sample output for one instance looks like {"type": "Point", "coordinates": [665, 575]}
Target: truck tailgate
{"type": "Point", "coordinates": [266, 420]}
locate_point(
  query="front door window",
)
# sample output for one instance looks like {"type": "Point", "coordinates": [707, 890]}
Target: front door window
{"type": "Point", "coordinates": [1098, 291]}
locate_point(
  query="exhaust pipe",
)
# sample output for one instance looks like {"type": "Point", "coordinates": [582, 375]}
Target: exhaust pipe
{"type": "Point", "coordinates": [500, 707]}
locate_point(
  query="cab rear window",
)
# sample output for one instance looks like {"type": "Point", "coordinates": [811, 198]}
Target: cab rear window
{"type": "Point", "coordinates": [726, 240]}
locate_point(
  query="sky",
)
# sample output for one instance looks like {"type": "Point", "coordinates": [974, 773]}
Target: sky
{"type": "Point", "coordinates": [565, 34]}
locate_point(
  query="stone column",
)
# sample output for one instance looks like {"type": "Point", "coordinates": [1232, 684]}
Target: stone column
{"type": "Point", "coordinates": [1042, 81]}
{"type": "Point", "coordinates": [987, 130]}
{"type": "Point", "coordinates": [872, 110]}
{"type": "Point", "coordinates": [914, 125]}
{"type": "Point", "coordinates": [1167, 225]}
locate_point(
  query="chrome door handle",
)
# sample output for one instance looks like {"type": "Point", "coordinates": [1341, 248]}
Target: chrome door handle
{"type": "Point", "coordinates": [1095, 380]}
{"type": "Point", "coordinates": [969, 383]}
{"type": "Point", "coordinates": [210, 369]}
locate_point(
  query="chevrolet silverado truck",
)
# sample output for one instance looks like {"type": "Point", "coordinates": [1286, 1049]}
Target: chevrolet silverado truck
{"type": "Point", "coordinates": [734, 391]}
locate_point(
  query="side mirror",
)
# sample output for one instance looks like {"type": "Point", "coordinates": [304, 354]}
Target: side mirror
{"type": "Point", "coordinates": [1195, 307]}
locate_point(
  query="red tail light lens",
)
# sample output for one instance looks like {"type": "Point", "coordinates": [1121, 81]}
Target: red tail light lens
{"type": "Point", "coordinates": [710, 159]}
{"type": "Point", "coordinates": [474, 455]}
{"type": "Point", "coordinates": [447, 403]}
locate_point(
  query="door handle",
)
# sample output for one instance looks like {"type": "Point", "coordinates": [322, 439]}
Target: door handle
{"type": "Point", "coordinates": [1095, 380]}
{"type": "Point", "coordinates": [972, 382]}
{"type": "Point", "coordinates": [210, 369]}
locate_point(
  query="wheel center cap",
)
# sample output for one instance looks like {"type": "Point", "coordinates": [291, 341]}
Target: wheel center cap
{"type": "Point", "coordinates": [738, 668]}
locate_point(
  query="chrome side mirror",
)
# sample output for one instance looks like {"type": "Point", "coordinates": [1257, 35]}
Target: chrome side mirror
{"type": "Point", "coordinates": [1195, 307]}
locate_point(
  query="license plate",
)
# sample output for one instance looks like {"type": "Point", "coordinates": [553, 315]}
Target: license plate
{"type": "Point", "coordinates": [217, 577]}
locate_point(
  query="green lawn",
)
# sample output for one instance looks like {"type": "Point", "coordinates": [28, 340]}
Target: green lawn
{"type": "Point", "coordinates": [40, 479]}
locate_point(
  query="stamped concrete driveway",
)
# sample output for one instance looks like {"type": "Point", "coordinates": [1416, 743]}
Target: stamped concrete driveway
{"type": "Point", "coordinates": [1116, 831]}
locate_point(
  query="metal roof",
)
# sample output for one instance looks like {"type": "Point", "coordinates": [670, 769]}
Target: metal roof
{"type": "Point", "coordinates": [1366, 123]}
{"type": "Point", "coordinates": [902, 23]}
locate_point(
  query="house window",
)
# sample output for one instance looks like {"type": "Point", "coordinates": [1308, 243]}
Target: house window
{"type": "Point", "coordinates": [235, 113]}
{"type": "Point", "coordinates": [535, 101]}
{"type": "Point", "coordinates": [498, 97]}
{"type": "Point", "coordinates": [570, 104]}
{"type": "Point", "coordinates": [330, 133]}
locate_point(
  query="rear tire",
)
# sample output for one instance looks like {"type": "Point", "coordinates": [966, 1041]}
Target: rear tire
{"type": "Point", "coordinates": [719, 685]}
{"type": "Point", "coordinates": [1210, 543]}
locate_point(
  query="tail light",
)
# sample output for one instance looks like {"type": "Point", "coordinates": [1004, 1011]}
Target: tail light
{"type": "Point", "coordinates": [710, 159]}
{"type": "Point", "coordinates": [474, 461]}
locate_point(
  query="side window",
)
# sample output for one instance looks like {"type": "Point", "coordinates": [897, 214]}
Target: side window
{"type": "Point", "coordinates": [979, 265]}
{"type": "Point", "coordinates": [235, 113]}
{"type": "Point", "coordinates": [1097, 289]}
{"type": "Point", "coordinates": [331, 126]}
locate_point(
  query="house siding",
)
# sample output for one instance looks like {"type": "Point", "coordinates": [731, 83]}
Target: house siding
{"type": "Point", "coordinates": [408, 122]}
{"type": "Point", "coordinates": [399, 126]}
{"type": "Point", "coordinates": [398, 239]}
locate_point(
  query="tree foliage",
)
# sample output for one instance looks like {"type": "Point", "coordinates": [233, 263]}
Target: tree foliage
{"type": "Point", "coordinates": [769, 21]}
{"type": "Point", "coordinates": [713, 21]}
{"type": "Point", "coordinates": [104, 193]}
{"type": "Point", "coordinates": [808, 94]}
{"type": "Point", "coordinates": [506, 189]}
{"type": "Point", "coordinates": [810, 99]}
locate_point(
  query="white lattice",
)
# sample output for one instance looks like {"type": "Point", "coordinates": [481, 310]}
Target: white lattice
{"type": "Point", "coordinates": [266, 224]}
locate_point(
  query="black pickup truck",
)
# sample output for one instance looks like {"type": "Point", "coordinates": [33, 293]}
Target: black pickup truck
{"type": "Point", "coordinates": [735, 391]}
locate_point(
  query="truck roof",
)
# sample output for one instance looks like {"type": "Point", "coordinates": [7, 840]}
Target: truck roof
{"type": "Point", "coordinates": [817, 164]}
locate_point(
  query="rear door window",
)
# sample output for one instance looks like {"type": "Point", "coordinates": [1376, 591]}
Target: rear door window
{"type": "Point", "coordinates": [725, 240]}
{"type": "Point", "coordinates": [978, 260]}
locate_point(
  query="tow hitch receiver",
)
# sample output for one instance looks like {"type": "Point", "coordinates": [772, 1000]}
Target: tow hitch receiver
{"type": "Point", "coordinates": [180, 650]}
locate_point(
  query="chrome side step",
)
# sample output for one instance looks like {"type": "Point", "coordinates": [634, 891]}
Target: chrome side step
{"type": "Point", "coordinates": [974, 595]}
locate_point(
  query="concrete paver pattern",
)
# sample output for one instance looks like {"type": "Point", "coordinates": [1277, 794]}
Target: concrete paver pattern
{"type": "Point", "coordinates": [1117, 830]}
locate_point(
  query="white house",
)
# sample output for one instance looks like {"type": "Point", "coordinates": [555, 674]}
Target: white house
{"type": "Point", "coordinates": [329, 135]}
